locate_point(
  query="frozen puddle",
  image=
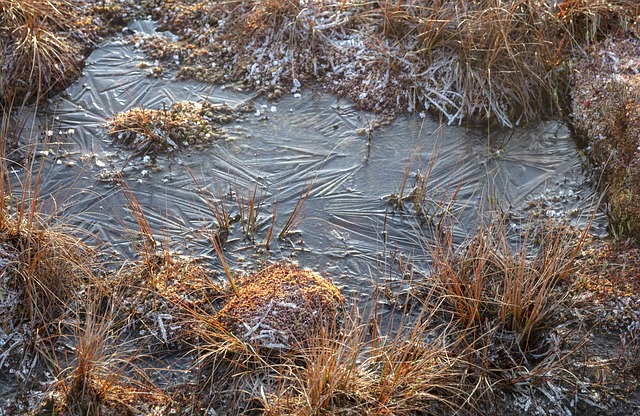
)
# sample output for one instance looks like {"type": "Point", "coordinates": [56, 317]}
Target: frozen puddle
{"type": "Point", "coordinates": [290, 144]}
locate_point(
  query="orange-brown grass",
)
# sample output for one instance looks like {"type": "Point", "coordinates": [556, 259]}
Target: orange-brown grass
{"type": "Point", "coordinates": [249, 208]}
{"type": "Point", "coordinates": [36, 55]}
{"type": "Point", "coordinates": [354, 372]}
{"type": "Point", "coordinates": [46, 266]}
{"type": "Point", "coordinates": [509, 55]}
{"type": "Point", "coordinates": [589, 21]}
{"type": "Point", "coordinates": [158, 295]}
{"type": "Point", "coordinates": [492, 282]}
{"type": "Point", "coordinates": [484, 60]}
{"type": "Point", "coordinates": [348, 366]}
{"type": "Point", "coordinates": [275, 309]}
{"type": "Point", "coordinates": [99, 377]}
{"type": "Point", "coordinates": [297, 215]}
{"type": "Point", "coordinates": [280, 19]}
{"type": "Point", "coordinates": [364, 369]}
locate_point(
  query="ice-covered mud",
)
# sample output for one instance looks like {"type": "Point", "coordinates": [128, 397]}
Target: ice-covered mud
{"type": "Point", "coordinates": [306, 139]}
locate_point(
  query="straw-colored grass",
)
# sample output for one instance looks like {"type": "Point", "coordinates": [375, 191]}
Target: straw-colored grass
{"type": "Point", "coordinates": [100, 377]}
{"type": "Point", "coordinates": [44, 267]}
{"type": "Point", "coordinates": [43, 43]}
{"type": "Point", "coordinates": [392, 372]}
{"type": "Point", "coordinates": [493, 281]}
{"type": "Point", "coordinates": [356, 367]}
{"type": "Point", "coordinates": [36, 56]}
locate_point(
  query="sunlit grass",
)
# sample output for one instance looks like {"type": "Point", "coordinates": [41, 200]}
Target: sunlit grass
{"type": "Point", "coordinates": [481, 323]}
{"type": "Point", "coordinates": [36, 57]}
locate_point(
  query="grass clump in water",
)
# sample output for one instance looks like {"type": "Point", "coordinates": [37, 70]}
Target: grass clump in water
{"type": "Point", "coordinates": [149, 132]}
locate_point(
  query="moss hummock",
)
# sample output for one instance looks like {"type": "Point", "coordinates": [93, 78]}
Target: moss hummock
{"type": "Point", "coordinates": [281, 306]}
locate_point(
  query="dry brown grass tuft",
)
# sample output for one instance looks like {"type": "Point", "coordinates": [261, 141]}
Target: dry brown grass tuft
{"type": "Point", "coordinates": [43, 43]}
{"type": "Point", "coordinates": [354, 367]}
{"type": "Point", "coordinates": [590, 21]}
{"type": "Point", "coordinates": [100, 377]}
{"type": "Point", "coordinates": [366, 370]}
{"type": "Point", "coordinates": [491, 59]}
{"type": "Point", "coordinates": [35, 52]}
{"type": "Point", "coordinates": [44, 267]}
{"type": "Point", "coordinates": [496, 282]}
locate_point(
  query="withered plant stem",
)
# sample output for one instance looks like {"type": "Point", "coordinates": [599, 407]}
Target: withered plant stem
{"type": "Point", "coordinates": [297, 215]}
{"type": "Point", "coordinates": [217, 246]}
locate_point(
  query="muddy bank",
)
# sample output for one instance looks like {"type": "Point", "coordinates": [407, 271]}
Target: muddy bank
{"type": "Point", "coordinates": [606, 103]}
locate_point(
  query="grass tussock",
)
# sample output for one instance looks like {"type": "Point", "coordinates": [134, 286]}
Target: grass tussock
{"type": "Point", "coordinates": [100, 376]}
{"type": "Point", "coordinates": [44, 267]}
{"type": "Point", "coordinates": [37, 53]}
{"type": "Point", "coordinates": [43, 43]}
{"type": "Point", "coordinates": [390, 372]}
{"type": "Point", "coordinates": [355, 367]}
{"type": "Point", "coordinates": [32, 48]}
{"type": "Point", "coordinates": [506, 296]}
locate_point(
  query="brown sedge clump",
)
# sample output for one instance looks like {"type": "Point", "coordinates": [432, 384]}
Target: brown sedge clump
{"type": "Point", "coordinates": [44, 45]}
{"type": "Point", "coordinates": [487, 280]}
{"type": "Point", "coordinates": [47, 265]}
{"type": "Point", "coordinates": [100, 376]}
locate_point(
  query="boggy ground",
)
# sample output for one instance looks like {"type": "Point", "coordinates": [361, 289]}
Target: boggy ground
{"type": "Point", "coordinates": [488, 331]}
{"type": "Point", "coordinates": [547, 328]}
{"type": "Point", "coordinates": [606, 110]}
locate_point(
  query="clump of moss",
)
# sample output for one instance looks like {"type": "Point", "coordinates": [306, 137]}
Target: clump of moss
{"type": "Point", "coordinates": [606, 106]}
{"type": "Point", "coordinates": [281, 306]}
{"type": "Point", "coordinates": [168, 130]}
